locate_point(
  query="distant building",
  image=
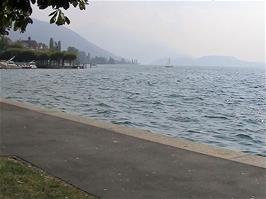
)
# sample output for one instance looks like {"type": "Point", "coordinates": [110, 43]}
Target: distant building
{"type": "Point", "coordinates": [33, 44]}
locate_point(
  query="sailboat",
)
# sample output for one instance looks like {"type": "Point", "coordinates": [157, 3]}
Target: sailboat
{"type": "Point", "coordinates": [168, 65]}
{"type": "Point", "coordinates": [9, 64]}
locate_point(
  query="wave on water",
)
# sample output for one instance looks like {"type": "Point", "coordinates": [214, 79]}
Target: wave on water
{"type": "Point", "coordinates": [244, 136]}
{"type": "Point", "coordinates": [102, 104]}
{"type": "Point", "coordinates": [216, 117]}
{"type": "Point", "coordinates": [220, 106]}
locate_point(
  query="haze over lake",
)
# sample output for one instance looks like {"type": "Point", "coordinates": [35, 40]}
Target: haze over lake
{"type": "Point", "coordinates": [149, 31]}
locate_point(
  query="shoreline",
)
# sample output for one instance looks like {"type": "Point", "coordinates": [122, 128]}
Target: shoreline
{"type": "Point", "coordinates": [180, 143]}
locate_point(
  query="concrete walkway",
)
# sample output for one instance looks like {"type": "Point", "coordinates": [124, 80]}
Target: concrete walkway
{"type": "Point", "coordinates": [116, 166]}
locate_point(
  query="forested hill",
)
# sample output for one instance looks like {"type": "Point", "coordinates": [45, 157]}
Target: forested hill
{"type": "Point", "coordinates": [43, 31]}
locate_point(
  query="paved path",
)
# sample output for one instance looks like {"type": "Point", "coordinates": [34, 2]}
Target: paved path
{"type": "Point", "coordinates": [116, 166]}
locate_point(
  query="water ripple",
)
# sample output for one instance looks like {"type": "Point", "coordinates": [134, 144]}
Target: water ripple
{"type": "Point", "coordinates": [219, 106]}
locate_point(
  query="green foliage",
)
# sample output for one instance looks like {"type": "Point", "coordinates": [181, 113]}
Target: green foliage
{"type": "Point", "coordinates": [44, 58]}
{"type": "Point", "coordinates": [26, 55]}
{"type": "Point", "coordinates": [16, 14]}
{"type": "Point", "coordinates": [16, 45]}
{"type": "Point", "coordinates": [21, 55]}
{"type": "Point", "coordinates": [7, 54]}
{"type": "Point", "coordinates": [56, 55]}
{"type": "Point", "coordinates": [52, 57]}
{"type": "Point", "coordinates": [70, 56]}
{"type": "Point", "coordinates": [72, 49]}
{"type": "Point", "coordinates": [4, 42]}
{"type": "Point", "coordinates": [42, 55]}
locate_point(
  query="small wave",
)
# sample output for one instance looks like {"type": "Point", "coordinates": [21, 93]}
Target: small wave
{"type": "Point", "coordinates": [103, 104]}
{"type": "Point", "coordinates": [139, 100]}
{"type": "Point", "coordinates": [193, 131]}
{"type": "Point", "coordinates": [216, 117]}
{"type": "Point", "coordinates": [103, 111]}
{"type": "Point", "coordinates": [125, 79]}
{"type": "Point", "coordinates": [260, 142]}
{"type": "Point", "coordinates": [192, 99]}
{"type": "Point", "coordinates": [212, 142]}
{"type": "Point", "coordinates": [157, 103]}
{"type": "Point", "coordinates": [262, 154]}
{"type": "Point", "coordinates": [122, 122]}
{"type": "Point", "coordinates": [253, 121]}
{"type": "Point", "coordinates": [174, 95]}
{"type": "Point", "coordinates": [104, 88]}
{"type": "Point", "coordinates": [151, 83]}
{"type": "Point", "coordinates": [244, 136]}
{"type": "Point", "coordinates": [182, 119]}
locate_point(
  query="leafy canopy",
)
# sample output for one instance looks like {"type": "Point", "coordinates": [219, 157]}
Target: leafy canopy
{"type": "Point", "coordinates": [15, 14]}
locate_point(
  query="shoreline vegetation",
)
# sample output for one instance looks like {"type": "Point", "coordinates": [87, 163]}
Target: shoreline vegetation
{"type": "Point", "coordinates": [19, 179]}
{"type": "Point", "coordinates": [52, 56]}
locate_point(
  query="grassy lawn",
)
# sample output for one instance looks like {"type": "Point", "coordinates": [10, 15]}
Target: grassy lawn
{"type": "Point", "coordinates": [20, 181]}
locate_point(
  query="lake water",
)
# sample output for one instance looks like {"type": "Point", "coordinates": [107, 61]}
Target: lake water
{"type": "Point", "coordinates": [218, 106]}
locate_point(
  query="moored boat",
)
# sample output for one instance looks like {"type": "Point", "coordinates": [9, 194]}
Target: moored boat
{"type": "Point", "coordinates": [9, 64]}
{"type": "Point", "coordinates": [27, 65]}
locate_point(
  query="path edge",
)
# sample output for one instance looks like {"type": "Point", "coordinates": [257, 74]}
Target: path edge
{"type": "Point", "coordinates": [180, 143]}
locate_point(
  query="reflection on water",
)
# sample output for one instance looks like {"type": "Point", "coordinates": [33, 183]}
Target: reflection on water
{"type": "Point", "coordinates": [220, 106]}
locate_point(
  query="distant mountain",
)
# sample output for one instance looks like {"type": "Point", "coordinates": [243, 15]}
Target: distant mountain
{"type": "Point", "coordinates": [43, 31]}
{"type": "Point", "coordinates": [212, 60]}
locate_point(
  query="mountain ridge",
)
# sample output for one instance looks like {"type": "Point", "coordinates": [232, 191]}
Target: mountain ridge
{"type": "Point", "coordinates": [67, 37]}
{"type": "Point", "coordinates": [210, 60]}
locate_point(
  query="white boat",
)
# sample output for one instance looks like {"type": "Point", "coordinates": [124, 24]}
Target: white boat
{"type": "Point", "coordinates": [9, 64]}
{"type": "Point", "coordinates": [169, 65]}
{"type": "Point", "coordinates": [32, 64]}
{"type": "Point", "coordinates": [29, 65]}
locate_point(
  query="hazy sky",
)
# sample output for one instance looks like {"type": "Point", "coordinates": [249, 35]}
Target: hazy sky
{"type": "Point", "coordinates": [153, 30]}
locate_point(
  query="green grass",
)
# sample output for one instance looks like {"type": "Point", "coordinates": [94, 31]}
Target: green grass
{"type": "Point", "coordinates": [18, 180]}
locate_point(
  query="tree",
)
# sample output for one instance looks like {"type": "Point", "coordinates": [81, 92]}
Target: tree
{"type": "Point", "coordinates": [11, 52]}
{"type": "Point", "coordinates": [16, 14]}
{"type": "Point", "coordinates": [26, 55]}
{"type": "Point", "coordinates": [56, 57]}
{"type": "Point", "coordinates": [21, 55]}
{"type": "Point", "coordinates": [72, 49]}
{"type": "Point", "coordinates": [4, 42]}
{"type": "Point", "coordinates": [43, 58]}
{"type": "Point", "coordinates": [70, 57]}
{"type": "Point", "coordinates": [15, 44]}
